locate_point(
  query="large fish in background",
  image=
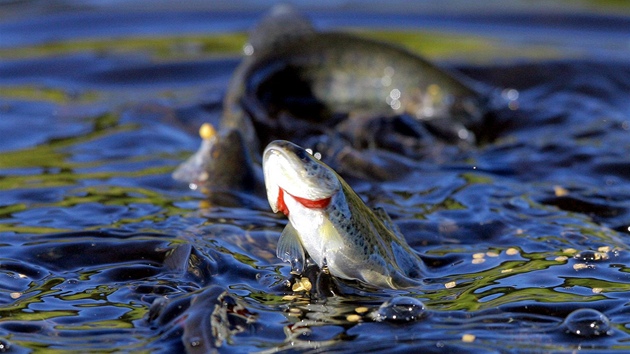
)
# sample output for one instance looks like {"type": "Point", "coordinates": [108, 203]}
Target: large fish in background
{"type": "Point", "coordinates": [292, 72]}
{"type": "Point", "coordinates": [364, 104]}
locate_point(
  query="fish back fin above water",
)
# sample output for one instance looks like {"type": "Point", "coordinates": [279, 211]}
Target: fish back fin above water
{"type": "Point", "coordinates": [382, 215]}
{"type": "Point", "coordinates": [408, 262]}
{"type": "Point", "coordinates": [282, 23]}
{"type": "Point", "coordinates": [191, 170]}
{"type": "Point", "coordinates": [290, 248]}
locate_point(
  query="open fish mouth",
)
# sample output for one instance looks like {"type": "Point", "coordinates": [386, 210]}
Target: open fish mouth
{"type": "Point", "coordinates": [290, 171]}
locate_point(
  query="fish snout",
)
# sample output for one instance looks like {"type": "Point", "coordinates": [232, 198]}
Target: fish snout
{"type": "Point", "coordinates": [290, 169]}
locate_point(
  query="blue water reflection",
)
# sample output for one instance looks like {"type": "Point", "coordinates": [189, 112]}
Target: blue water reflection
{"type": "Point", "coordinates": [101, 249]}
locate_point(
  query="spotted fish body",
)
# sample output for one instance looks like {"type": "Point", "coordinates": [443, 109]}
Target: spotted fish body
{"type": "Point", "coordinates": [329, 222]}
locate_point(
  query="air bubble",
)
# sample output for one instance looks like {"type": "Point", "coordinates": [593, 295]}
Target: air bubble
{"type": "Point", "coordinates": [587, 323]}
{"type": "Point", "coordinates": [463, 134]}
{"type": "Point", "coordinates": [195, 342]}
{"type": "Point", "coordinates": [510, 94]}
{"type": "Point", "coordinates": [401, 309]}
{"type": "Point", "coordinates": [395, 94]}
{"type": "Point", "coordinates": [248, 49]}
{"type": "Point", "coordinates": [4, 346]}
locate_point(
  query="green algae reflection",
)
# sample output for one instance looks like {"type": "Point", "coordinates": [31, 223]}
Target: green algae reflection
{"type": "Point", "coordinates": [432, 44]}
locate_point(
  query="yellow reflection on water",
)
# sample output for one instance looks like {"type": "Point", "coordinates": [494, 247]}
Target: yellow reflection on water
{"type": "Point", "coordinates": [431, 44]}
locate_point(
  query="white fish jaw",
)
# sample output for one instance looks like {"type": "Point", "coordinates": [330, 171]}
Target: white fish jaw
{"type": "Point", "coordinates": [290, 169]}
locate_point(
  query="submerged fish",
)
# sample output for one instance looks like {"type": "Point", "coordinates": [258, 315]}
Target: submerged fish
{"type": "Point", "coordinates": [296, 81]}
{"type": "Point", "coordinates": [221, 166]}
{"type": "Point", "coordinates": [329, 222]}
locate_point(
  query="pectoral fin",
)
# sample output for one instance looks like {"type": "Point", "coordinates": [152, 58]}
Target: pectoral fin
{"type": "Point", "coordinates": [290, 248]}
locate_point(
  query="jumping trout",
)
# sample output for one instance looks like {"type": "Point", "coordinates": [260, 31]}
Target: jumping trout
{"type": "Point", "coordinates": [329, 222]}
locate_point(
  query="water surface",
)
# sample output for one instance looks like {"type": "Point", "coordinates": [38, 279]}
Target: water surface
{"type": "Point", "coordinates": [102, 251]}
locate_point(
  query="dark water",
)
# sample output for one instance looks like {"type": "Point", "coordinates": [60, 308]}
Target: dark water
{"type": "Point", "coordinates": [101, 251]}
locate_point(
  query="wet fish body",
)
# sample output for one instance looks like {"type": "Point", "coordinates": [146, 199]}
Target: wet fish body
{"type": "Point", "coordinates": [330, 91]}
{"type": "Point", "coordinates": [346, 72]}
{"type": "Point", "coordinates": [313, 76]}
{"type": "Point", "coordinates": [329, 222]}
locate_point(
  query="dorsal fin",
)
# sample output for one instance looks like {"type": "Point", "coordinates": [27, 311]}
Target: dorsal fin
{"type": "Point", "coordinates": [282, 23]}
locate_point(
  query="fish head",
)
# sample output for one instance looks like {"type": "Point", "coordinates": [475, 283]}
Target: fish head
{"type": "Point", "coordinates": [290, 169]}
